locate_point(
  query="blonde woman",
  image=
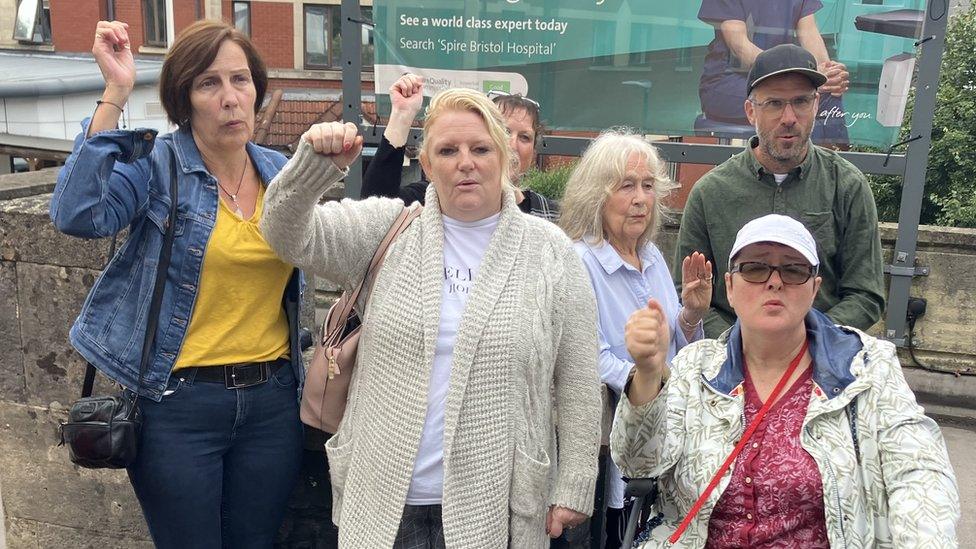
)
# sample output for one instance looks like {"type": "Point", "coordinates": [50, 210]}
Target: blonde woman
{"type": "Point", "coordinates": [612, 210]}
{"type": "Point", "coordinates": [479, 348]}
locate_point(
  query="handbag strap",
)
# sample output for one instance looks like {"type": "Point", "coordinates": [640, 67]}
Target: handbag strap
{"type": "Point", "coordinates": [157, 296]}
{"type": "Point", "coordinates": [400, 224]}
{"type": "Point", "coordinates": [89, 383]}
{"type": "Point", "coordinates": [738, 447]}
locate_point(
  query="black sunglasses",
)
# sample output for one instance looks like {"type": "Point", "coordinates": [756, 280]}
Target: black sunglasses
{"type": "Point", "coordinates": [758, 272]}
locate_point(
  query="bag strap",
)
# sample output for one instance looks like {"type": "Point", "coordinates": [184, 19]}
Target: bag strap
{"type": "Point", "coordinates": [89, 383]}
{"type": "Point", "coordinates": [738, 447]}
{"type": "Point", "coordinates": [400, 224]}
{"type": "Point", "coordinates": [162, 268]}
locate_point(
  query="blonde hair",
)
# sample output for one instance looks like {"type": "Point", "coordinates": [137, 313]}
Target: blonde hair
{"type": "Point", "coordinates": [464, 99]}
{"type": "Point", "coordinates": [599, 173]}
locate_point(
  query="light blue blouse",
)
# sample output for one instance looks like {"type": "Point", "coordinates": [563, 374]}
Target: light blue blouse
{"type": "Point", "coordinates": [620, 290]}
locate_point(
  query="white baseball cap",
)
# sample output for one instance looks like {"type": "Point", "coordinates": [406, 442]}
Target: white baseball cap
{"type": "Point", "coordinates": [780, 229]}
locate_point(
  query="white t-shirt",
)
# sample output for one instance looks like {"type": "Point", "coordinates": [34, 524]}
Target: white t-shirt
{"type": "Point", "coordinates": [464, 248]}
{"type": "Point", "coordinates": [780, 177]}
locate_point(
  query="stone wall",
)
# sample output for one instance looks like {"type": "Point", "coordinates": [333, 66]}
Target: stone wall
{"type": "Point", "coordinates": [44, 277]}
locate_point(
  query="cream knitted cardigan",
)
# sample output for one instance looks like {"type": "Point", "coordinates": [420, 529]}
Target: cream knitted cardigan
{"type": "Point", "coordinates": [524, 370]}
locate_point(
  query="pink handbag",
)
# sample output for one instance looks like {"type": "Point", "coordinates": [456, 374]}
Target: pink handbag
{"type": "Point", "coordinates": [327, 380]}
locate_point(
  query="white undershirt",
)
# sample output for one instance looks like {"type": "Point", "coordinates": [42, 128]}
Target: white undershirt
{"type": "Point", "coordinates": [464, 248]}
{"type": "Point", "coordinates": [780, 177]}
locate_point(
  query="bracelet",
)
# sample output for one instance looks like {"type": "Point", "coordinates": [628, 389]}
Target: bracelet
{"type": "Point", "coordinates": [101, 101]}
{"type": "Point", "coordinates": [687, 325]}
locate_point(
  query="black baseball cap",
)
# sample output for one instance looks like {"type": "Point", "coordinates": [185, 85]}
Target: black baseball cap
{"type": "Point", "coordinates": [783, 59]}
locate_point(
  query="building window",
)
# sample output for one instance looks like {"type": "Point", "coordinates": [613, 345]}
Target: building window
{"type": "Point", "coordinates": [33, 23]}
{"type": "Point", "coordinates": [323, 38]}
{"type": "Point", "coordinates": [242, 16]}
{"type": "Point", "coordinates": [154, 16]}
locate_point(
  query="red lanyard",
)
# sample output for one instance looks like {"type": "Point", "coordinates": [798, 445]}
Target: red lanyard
{"type": "Point", "coordinates": [738, 447]}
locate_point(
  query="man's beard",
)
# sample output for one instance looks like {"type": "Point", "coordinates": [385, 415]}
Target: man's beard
{"type": "Point", "coordinates": [791, 156]}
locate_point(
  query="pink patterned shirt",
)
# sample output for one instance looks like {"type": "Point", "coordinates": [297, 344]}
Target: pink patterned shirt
{"type": "Point", "coordinates": [775, 498]}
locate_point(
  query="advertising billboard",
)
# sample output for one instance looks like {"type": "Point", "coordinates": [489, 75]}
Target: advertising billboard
{"type": "Point", "coordinates": [666, 68]}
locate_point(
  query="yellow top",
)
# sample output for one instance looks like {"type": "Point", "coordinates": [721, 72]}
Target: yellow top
{"type": "Point", "coordinates": [238, 314]}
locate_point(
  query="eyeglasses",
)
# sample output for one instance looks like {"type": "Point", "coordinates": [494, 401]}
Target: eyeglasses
{"type": "Point", "coordinates": [758, 272]}
{"type": "Point", "coordinates": [499, 94]}
{"type": "Point", "coordinates": [775, 107]}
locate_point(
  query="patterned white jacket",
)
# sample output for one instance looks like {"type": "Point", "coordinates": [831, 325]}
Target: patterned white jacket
{"type": "Point", "coordinates": [894, 488]}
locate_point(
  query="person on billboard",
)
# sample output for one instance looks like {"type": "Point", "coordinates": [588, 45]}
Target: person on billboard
{"type": "Point", "coordinates": [781, 171]}
{"type": "Point", "coordinates": [746, 28]}
{"type": "Point", "coordinates": [383, 175]}
{"type": "Point", "coordinates": [473, 417]}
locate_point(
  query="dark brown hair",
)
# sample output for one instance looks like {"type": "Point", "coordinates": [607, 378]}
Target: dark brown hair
{"type": "Point", "coordinates": [193, 51]}
{"type": "Point", "coordinates": [511, 103]}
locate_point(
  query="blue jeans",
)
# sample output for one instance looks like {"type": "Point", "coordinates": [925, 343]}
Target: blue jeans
{"type": "Point", "coordinates": [216, 466]}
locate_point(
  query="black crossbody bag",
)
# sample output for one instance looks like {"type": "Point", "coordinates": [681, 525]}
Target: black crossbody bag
{"type": "Point", "coordinates": [102, 432]}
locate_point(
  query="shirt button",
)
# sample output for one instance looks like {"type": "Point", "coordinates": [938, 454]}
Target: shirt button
{"type": "Point", "coordinates": [148, 136]}
{"type": "Point", "coordinates": [748, 480]}
{"type": "Point", "coordinates": [749, 516]}
{"type": "Point", "coordinates": [755, 445]}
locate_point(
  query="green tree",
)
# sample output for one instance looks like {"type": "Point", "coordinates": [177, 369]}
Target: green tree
{"type": "Point", "coordinates": [950, 186]}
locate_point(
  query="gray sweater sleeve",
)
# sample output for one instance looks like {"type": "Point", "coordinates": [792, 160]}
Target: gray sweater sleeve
{"type": "Point", "coordinates": [335, 240]}
{"type": "Point", "coordinates": [577, 389]}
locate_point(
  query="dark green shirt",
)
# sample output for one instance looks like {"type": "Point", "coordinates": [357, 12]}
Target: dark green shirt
{"type": "Point", "coordinates": [827, 194]}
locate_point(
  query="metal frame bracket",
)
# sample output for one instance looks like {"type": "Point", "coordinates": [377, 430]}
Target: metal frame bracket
{"type": "Point", "coordinates": [895, 270]}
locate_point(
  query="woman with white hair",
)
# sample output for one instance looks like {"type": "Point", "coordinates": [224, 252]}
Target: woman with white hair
{"type": "Point", "coordinates": [612, 210]}
{"type": "Point", "coordinates": [478, 348]}
{"type": "Point", "coordinates": [788, 430]}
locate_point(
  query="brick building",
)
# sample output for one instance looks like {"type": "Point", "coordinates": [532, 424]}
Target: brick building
{"type": "Point", "coordinates": [298, 39]}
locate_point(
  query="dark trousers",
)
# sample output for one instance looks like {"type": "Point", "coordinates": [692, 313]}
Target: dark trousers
{"type": "Point", "coordinates": [617, 525]}
{"type": "Point", "coordinates": [216, 465]}
{"type": "Point", "coordinates": [421, 527]}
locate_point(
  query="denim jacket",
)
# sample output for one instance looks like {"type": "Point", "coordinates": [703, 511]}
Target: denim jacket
{"type": "Point", "coordinates": [120, 179]}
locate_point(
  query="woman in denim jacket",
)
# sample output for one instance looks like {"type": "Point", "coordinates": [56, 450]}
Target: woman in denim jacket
{"type": "Point", "coordinates": [221, 440]}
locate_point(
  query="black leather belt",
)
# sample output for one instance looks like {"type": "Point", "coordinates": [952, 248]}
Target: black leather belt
{"type": "Point", "coordinates": [238, 376]}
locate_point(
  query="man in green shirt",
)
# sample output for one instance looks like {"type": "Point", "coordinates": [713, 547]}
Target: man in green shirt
{"type": "Point", "coordinates": [783, 172]}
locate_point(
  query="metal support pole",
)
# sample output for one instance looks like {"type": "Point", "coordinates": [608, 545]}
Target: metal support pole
{"type": "Point", "coordinates": [902, 268]}
{"type": "Point", "coordinates": [352, 93]}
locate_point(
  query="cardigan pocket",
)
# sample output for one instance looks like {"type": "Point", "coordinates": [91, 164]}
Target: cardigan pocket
{"type": "Point", "coordinates": [529, 500]}
{"type": "Point", "coordinates": [339, 458]}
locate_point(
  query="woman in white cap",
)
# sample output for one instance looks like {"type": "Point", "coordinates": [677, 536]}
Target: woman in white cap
{"type": "Point", "coordinates": [787, 431]}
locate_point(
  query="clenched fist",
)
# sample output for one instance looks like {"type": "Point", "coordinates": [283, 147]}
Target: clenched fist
{"type": "Point", "coordinates": [340, 142]}
{"type": "Point", "coordinates": [647, 337]}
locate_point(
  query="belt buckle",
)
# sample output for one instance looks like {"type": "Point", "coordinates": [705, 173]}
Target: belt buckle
{"type": "Point", "coordinates": [240, 376]}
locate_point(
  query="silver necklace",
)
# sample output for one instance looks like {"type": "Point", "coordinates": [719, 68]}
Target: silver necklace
{"type": "Point", "coordinates": [233, 195]}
